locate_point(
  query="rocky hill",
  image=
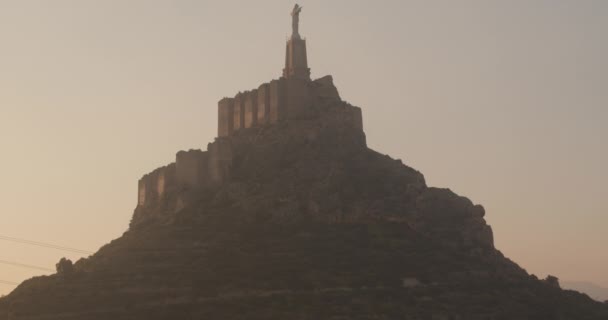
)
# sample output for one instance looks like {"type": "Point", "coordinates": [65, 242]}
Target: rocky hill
{"type": "Point", "coordinates": [593, 290]}
{"type": "Point", "coordinates": [311, 224]}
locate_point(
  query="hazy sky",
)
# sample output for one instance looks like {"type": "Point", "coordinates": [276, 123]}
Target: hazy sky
{"type": "Point", "coordinates": [505, 102]}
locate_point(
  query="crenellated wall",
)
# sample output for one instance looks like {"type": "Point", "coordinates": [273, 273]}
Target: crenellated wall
{"type": "Point", "coordinates": [220, 160]}
{"type": "Point", "coordinates": [277, 93]}
{"type": "Point", "coordinates": [225, 112]}
{"type": "Point", "coordinates": [292, 96]}
{"type": "Point", "coordinates": [278, 100]}
{"type": "Point", "coordinates": [239, 112]}
{"type": "Point", "coordinates": [153, 186]}
{"type": "Point", "coordinates": [193, 169]}
{"type": "Point", "coordinates": [264, 104]}
{"type": "Point", "coordinates": [251, 108]}
{"type": "Point", "coordinates": [298, 97]}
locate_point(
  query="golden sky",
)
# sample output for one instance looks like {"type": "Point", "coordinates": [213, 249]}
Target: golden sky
{"type": "Point", "coordinates": [505, 102]}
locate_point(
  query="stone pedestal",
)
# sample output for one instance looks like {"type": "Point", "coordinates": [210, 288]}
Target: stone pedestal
{"type": "Point", "coordinates": [296, 62]}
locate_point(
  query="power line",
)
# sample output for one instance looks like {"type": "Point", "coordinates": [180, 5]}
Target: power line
{"type": "Point", "coordinates": [44, 245]}
{"type": "Point", "coordinates": [22, 265]}
{"type": "Point", "coordinates": [9, 283]}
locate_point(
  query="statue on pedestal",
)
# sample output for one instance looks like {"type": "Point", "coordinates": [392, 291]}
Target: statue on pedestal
{"type": "Point", "coordinates": [295, 23]}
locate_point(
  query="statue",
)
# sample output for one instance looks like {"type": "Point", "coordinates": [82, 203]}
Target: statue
{"type": "Point", "coordinates": [295, 23]}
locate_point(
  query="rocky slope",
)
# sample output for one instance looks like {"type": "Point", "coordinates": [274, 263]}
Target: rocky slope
{"type": "Point", "coordinates": [311, 225]}
{"type": "Point", "coordinates": [593, 290]}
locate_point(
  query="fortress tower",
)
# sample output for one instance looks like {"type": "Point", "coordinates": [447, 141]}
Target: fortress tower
{"type": "Point", "coordinates": [292, 97]}
{"type": "Point", "coordinates": [296, 62]}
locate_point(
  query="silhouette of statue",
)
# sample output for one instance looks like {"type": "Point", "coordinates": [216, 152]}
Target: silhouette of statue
{"type": "Point", "coordinates": [295, 23]}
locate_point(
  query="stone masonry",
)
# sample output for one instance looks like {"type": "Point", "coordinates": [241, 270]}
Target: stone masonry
{"type": "Point", "coordinates": [290, 97]}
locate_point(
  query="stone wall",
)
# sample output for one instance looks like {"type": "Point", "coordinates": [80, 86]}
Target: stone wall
{"type": "Point", "coordinates": [239, 112]}
{"type": "Point", "coordinates": [278, 100]}
{"type": "Point", "coordinates": [225, 115]}
{"type": "Point", "coordinates": [354, 116]}
{"type": "Point", "coordinates": [264, 104]}
{"type": "Point", "coordinates": [153, 185]}
{"type": "Point", "coordinates": [324, 89]}
{"type": "Point", "coordinates": [251, 108]}
{"type": "Point", "coordinates": [298, 97]}
{"type": "Point", "coordinates": [191, 168]}
{"type": "Point", "coordinates": [296, 62]}
{"type": "Point", "coordinates": [169, 189]}
{"type": "Point", "coordinates": [220, 160]}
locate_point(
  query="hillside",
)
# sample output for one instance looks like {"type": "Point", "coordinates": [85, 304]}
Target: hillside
{"type": "Point", "coordinates": [593, 290]}
{"type": "Point", "coordinates": [311, 224]}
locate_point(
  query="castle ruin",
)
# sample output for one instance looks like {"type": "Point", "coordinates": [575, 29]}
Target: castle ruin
{"type": "Point", "coordinates": [290, 97]}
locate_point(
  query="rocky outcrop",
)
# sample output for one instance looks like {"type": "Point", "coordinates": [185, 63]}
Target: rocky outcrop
{"type": "Point", "coordinates": [324, 89]}
{"type": "Point", "coordinates": [309, 223]}
{"type": "Point", "coordinates": [297, 220]}
{"type": "Point", "coordinates": [64, 267]}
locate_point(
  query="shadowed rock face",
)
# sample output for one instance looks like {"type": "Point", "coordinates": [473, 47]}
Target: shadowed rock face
{"type": "Point", "coordinates": [594, 291]}
{"type": "Point", "coordinates": [311, 224]}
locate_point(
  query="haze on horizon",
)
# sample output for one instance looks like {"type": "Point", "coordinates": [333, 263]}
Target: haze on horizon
{"type": "Point", "coordinates": [504, 102]}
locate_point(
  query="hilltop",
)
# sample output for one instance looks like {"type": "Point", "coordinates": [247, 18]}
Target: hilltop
{"type": "Point", "coordinates": [310, 224]}
{"type": "Point", "coordinates": [289, 215]}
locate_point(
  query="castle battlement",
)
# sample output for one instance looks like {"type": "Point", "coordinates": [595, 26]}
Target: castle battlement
{"type": "Point", "coordinates": [292, 96]}
{"type": "Point", "coordinates": [279, 99]}
{"type": "Point", "coordinates": [193, 169]}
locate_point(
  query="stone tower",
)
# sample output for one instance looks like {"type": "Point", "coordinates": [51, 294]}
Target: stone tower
{"type": "Point", "coordinates": [296, 62]}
